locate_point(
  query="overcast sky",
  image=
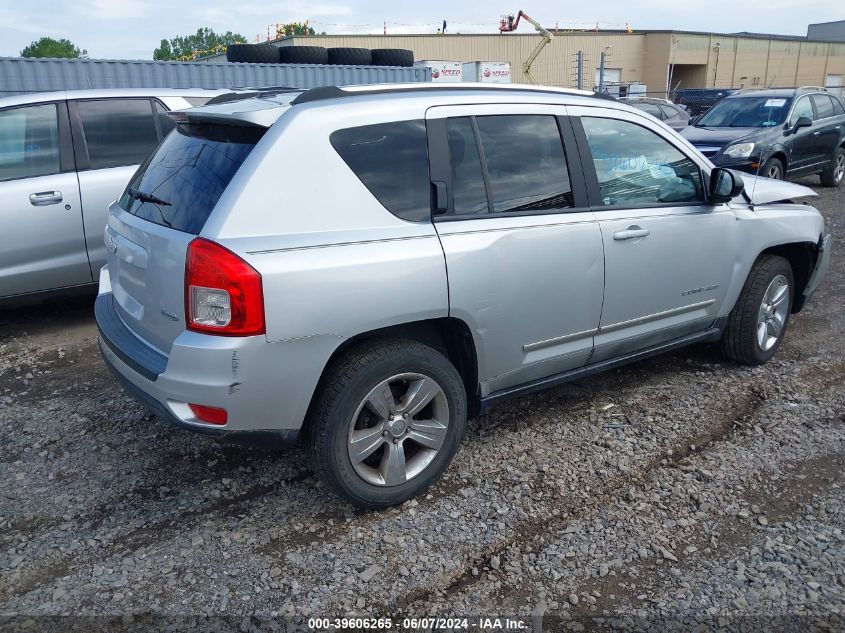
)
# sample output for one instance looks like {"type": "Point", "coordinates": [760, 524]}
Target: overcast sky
{"type": "Point", "coordinates": [132, 29]}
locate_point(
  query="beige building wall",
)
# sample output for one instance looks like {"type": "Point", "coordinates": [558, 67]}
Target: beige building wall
{"type": "Point", "coordinates": [653, 58]}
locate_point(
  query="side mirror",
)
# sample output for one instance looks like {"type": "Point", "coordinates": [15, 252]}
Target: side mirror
{"type": "Point", "coordinates": [693, 119]}
{"type": "Point", "coordinates": [725, 185]}
{"type": "Point", "coordinates": [803, 121]}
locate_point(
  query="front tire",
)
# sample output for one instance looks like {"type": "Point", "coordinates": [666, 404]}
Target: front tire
{"type": "Point", "coordinates": [387, 422]}
{"type": "Point", "coordinates": [834, 173]}
{"type": "Point", "coordinates": [757, 324]}
{"type": "Point", "coordinates": [773, 168]}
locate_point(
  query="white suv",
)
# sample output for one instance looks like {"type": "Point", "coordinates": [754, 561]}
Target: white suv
{"type": "Point", "coordinates": [362, 268]}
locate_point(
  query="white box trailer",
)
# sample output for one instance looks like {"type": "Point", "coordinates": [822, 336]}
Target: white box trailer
{"type": "Point", "coordinates": [488, 72]}
{"type": "Point", "coordinates": [442, 71]}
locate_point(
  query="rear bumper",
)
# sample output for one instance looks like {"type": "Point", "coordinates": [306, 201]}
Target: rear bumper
{"type": "Point", "coordinates": [278, 439]}
{"type": "Point", "coordinates": [265, 388]}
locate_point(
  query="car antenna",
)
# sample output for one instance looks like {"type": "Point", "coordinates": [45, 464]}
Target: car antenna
{"type": "Point", "coordinates": [760, 163]}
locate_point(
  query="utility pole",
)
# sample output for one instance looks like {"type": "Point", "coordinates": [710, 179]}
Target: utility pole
{"type": "Point", "coordinates": [601, 70]}
{"type": "Point", "coordinates": [579, 60]}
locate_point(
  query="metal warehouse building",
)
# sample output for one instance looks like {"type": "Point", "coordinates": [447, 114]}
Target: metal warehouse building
{"type": "Point", "coordinates": [657, 59]}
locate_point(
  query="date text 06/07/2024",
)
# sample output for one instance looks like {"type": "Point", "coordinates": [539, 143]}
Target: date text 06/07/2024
{"type": "Point", "coordinates": [413, 624]}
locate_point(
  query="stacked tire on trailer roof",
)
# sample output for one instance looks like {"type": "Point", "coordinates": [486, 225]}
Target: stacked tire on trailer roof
{"type": "Point", "coordinates": [271, 54]}
{"type": "Point", "coordinates": [392, 57]}
{"type": "Point", "coordinates": [252, 53]}
{"type": "Point", "coordinates": [350, 57]}
{"type": "Point", "coordinates": [303, 55]}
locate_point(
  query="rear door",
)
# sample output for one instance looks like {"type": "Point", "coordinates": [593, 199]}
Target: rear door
{"type": "Point", "coordinates": [42, 244]}
{"type": "Point", "coordinates": [669, 253]}
{"type": "Point", "coordinates": [828, 127]}
{"type": "Point", "coordinates": [113, 137]}
{"type": "Point", "coordinates": [523, 253]}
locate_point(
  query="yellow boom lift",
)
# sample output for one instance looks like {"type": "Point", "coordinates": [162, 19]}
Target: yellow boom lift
{"type": "Point", "coordinates": [508, 24]}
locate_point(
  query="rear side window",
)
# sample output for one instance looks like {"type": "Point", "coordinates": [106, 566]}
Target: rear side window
{"type": "Point", "coordinates": [838, 109]}
{"type": "Point", "coordinates": [824, 106]}
{"type": "Point", "coordinates": [165, 123]}
{"type": "Point", "coordinates": [652, 109]}
{"type": "Point", "coordinates": [188, 173]}
{"type": "Point", "coordinates": [526, 165]}
{"type": "Point", "coordinates": [468, 191]}
{"type": "Point", "coordinates": [669, 111]}
{"type": "Point", "coordinates": [636, 167]}
{"type": "Point", "coordinates": [118, 132]}
{"type": "Point", "coordinates": [29, 142]}
{"type": "Point", "coordinates": [391, 159]}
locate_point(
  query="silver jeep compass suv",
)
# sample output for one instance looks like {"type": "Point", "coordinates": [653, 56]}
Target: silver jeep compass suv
{"type": "Point", "coordinates": [362, 268]}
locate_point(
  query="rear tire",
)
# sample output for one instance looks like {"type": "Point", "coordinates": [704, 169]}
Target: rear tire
{"type": "Point", "coordinates": [387, 421]}
{"type": "Point", "coordinates": [758, 322]}
{"type": "Point", "coordinates": [303, 55]}
{"type": "Point", "coordinates": [393, 57]}
{"type": "Point", "coordinates": [350, 56]}
{"type": "Point", "coordinates": [252, 53]}
{"type": "Point", "coordinates": [773, 168]}
{"type": "Point", "coordinates": [834, 173]}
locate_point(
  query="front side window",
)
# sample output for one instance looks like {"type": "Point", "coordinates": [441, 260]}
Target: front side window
{"type": "Point", "coordinates": [824, 106]}
{"type": "Point", "coordinates": [838, 109]}
{"type": "Point", "coordinates": [526, 164]}
{"type": "Point", "coordinates": [29, 142]}
{"type": "Point", "coordinates": [636, 167]}
{"type": "Point", "coordinates": [118, 132]}
{"type": "Point", "coordinates": [803, 107]}
{"type": "Point", "coordinates": [391, 159]}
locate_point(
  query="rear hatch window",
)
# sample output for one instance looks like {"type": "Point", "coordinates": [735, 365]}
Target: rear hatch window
{"type": "Point", "coordinates": [181, 182]}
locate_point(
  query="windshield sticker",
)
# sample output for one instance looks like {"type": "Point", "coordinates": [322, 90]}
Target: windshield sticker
{"type": "Point", "coordinates": [774, 103]}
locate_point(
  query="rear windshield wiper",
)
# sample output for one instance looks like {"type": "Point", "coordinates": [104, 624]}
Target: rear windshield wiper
{"type": "Point", "coordinates": [147, 197]}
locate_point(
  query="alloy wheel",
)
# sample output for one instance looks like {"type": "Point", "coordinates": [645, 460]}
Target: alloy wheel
{"type": "Point", "coordinates": [773, 312]}
{"type": "Point", "coordinates": [398, 429]}
{"type": "Point", "coordinates": [839, 168]}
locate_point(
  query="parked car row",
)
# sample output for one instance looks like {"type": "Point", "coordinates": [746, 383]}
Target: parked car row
{"type": "Point", "coordinates": [777, 133]}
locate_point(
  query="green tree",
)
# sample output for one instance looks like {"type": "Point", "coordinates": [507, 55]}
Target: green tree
{"type": "Point", "coordinates": [203, 42]}
{"type": "Point", "coordinates": [48, 47]}
{"type": "Point", "coordinates": [294, 28]}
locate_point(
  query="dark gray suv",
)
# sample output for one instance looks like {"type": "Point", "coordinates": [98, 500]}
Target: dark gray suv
{"type": "Point", "coordinates": [778, 133]}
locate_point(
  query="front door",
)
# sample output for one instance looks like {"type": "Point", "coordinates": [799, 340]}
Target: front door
{"type": "Point", "coordinates": [668, 252]}
{"type": "Point", "coordinates": [42, 243]}
{"type": "Point", "coordinates": [805, 140]}
{"type": "Point", "coordinates": [523, 253]}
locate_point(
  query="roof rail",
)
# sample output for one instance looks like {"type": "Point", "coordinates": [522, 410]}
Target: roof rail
{"type": "Point", "coordinates": [323, 93]}
{"type": "Point", "coordinates": [812, 88]}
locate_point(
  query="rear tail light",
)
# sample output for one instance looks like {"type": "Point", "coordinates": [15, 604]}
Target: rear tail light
{"type": "Point", "coordinates": [223, 293]}
{"type": "Point", "coordinates": [212, 415]}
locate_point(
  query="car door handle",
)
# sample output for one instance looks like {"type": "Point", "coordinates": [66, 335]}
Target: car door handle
{"type": "Point", "coordinates": [43, 198]}
{"type": "Point", "coordinates": [817, 132]}
{"type": "Point", "coordinates": [630, 233]}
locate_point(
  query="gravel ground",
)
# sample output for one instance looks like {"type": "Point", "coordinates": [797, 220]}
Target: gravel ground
{"type": "Point", "coordinates": [678, 491]}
